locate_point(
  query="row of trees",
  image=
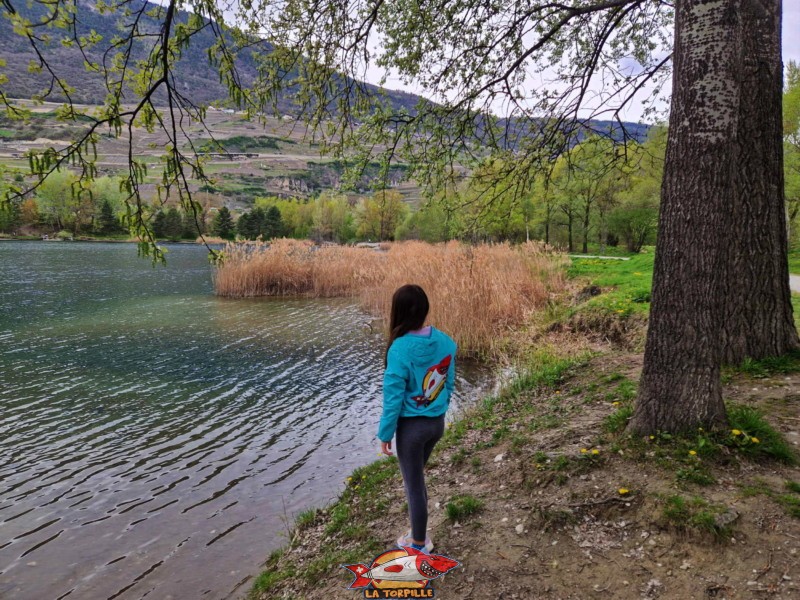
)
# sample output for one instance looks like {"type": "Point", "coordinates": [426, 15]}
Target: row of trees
{"type": "Point", "coordinates": [175, 224]}
{"type": "Point", "coordinates": [329, 217]}
{"type": "Point", "coordinates": [595, 193]}
{"type": "Point", "coordinates": [59, 203]}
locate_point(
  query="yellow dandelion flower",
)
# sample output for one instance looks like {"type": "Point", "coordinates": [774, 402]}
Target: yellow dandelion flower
{"type": "Point", "coordinates": [620, 311]}
{"type": "Point", "coordinates": [584, 450]}
{"type": "Point", "coordinates": [595, 451]}
{"type": "Point", "coordinates": [623, 491]}
{"type": "Point", "coordinates": [615, 404]}
{"type": "Point", "coordinates": [755, 440]}
{"type": "Point", "coordinates": [736, 432]}
{"type": "Point", "coordinates": [652, 437]}
{"type": "Point", "coordinates": [692, 453]}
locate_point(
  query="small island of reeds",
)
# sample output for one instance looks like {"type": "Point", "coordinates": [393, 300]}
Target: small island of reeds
{"type": "Point", "coordinates": [478, 292]}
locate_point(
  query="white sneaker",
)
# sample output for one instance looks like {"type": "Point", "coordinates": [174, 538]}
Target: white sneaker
{"type": "Point", "coordinates": [405, 540]}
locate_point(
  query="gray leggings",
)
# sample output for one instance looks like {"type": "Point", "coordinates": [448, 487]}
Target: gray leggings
{"type": "Point", "coordinates": [416, 437]}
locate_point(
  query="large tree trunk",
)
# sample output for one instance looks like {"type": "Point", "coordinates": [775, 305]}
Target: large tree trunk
{"type": "Point", "coordinates": [758, 318]}
{"type": "Point", "coordinates": [680, 385]}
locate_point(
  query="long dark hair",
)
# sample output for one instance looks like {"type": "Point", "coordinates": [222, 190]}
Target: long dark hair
{"type": "Point", "coordinates": [409, 310]}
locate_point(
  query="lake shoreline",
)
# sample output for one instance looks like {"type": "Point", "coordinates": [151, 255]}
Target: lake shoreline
{"type": "Point", "coordinates": [92, 240]}
{"type": "Point", "coordinates": [538, 492]}
{"type": "Point", "coordinates": [185, 426]}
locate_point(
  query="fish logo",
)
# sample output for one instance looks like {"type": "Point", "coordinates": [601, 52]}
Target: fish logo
{"type": "Point", "coordinates": [403, 568]}
{"type": "Point", "coordinates": [433, 382]}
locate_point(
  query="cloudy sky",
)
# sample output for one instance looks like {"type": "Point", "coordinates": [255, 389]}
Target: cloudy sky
{"type": "Point", "coordinates": [791, 51]}
{"type": "Point", "coordinates": [791, 30]}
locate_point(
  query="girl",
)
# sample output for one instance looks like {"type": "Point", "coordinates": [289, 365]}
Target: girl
{"type": "Point", "coordinates": [417, 384]}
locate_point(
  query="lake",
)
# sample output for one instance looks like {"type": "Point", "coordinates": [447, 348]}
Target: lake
{"type": "Point", "coordinates": [155, 440]}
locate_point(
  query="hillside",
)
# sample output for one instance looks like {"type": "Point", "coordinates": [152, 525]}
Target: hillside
{"type": "Point", "coordinates": [281, 158]}
{"type": "Point", "coordinates": [197, 79]}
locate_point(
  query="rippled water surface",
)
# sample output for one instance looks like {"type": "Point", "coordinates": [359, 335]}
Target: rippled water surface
{"type": "Point", "coordinates": [154, 439]}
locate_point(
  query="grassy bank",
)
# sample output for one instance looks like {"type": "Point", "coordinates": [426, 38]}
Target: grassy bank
{"type": "Point", "coordinates": [478, 293]}
{"type": "Point", "coordinates": [539, 483]}
{"type": "Point", "coordinates": [345, 532]}
{"type": "Point", "coordinates": [540, 493]}
{"type": "Point", "coordinates": [625, 284]}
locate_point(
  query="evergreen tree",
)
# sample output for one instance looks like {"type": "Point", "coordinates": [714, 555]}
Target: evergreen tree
{"type": "Point", "coordinates": [273, 223]}
{"type": "Point", "coordinates": [159, 221]}
{"type": "Point", "coordinates": [192, 226]}
{"type": "Point", "coordinates": [108, 221]}
{"type": "Point", "coordinates": [173, 225]}
{"type": "Point", "coordinates": [223, 224]}
{"type": "Point", "coordinates": [258, 219]}
{"type": "Point", "coordinates": [244, 226]}
{"type": "Point", "coordinates": [9, 216]}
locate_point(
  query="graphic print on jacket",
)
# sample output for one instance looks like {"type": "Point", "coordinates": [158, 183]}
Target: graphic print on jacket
{"type": "Point", "coordinates": [433, 382]}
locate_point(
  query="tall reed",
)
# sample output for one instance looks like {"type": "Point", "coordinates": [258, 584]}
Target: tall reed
{"type": "Point", "coordinates": [477, 293]}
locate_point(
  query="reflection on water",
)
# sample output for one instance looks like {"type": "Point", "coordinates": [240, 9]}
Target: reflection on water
{"type": "Point", "coordinates": [155, 437]}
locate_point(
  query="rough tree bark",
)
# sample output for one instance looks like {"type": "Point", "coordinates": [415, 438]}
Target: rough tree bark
{"type": "Point", "coordinates": [680, 386]}
{"type": "Point", "coordinates": [758, 318]}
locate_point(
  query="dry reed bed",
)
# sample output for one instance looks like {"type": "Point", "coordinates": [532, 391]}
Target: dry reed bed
{"type": "Point", "coordinates": [477, 293]}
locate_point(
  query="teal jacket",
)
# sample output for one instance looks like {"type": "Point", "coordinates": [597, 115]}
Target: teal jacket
{"type": "Point", "coordinates": [419, 379]}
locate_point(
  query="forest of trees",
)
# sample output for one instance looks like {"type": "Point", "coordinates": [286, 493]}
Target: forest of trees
{"type": "Point", "coordinates": [599, 194]}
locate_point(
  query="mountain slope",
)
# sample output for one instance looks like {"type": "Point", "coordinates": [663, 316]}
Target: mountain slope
{"type": "Point", "coordinates": [196, 78]}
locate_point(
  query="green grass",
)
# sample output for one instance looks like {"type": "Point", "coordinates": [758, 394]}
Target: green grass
{"type": "Point", "coordinates": [622, 397]}
{"type": "Point", "coordinates": [695, 514]}
{"type": "Point", "coordinates": [793, 486]}
{"type": "Point", "coordinates": [306, 518]}
{"type": "Point", "coordinates": [619, 250]}
{"type": "Point", "coordinates": [458, 457]}
{"type": "Point", "coordinates": [794, 260]}
{"type": "Point", "coordinates": [789, 502]}
{"type": "Point", "coordinates": [696, 474]}
{"type": "Point", "coordinates": [618, 420]}
{"type": "Point", "coordinates": [243, 143]}
{"type": "Point", "coordinates": [271, 576]}
{"type": "Point", "coordinates": [462, 506]}
{"type": "Point", "coordinates": [760, 369]}
{"type": "Point", "coordinates": [347, 532]}
{"type": "Point", "coordinates": [544, 370]}
{"type": "Point", "coordinates": [758, 439]}
{"type": "Point", "coordinates": [749, 436]}
{"type": "Point", "coordinates": [631, 281]}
